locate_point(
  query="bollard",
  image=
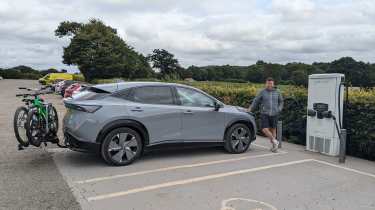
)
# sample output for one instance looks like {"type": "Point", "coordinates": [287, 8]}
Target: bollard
{"type": "Point", "coordinates": [279, 132]}
{"type": "Point", "coordinates": [342, 153]}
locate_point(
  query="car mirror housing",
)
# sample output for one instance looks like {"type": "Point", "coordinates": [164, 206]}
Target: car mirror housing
{"type": "Point", "coordinates": [217, 106]}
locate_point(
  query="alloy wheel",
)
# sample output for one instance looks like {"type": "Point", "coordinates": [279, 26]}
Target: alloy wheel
{"type": "Point", "coordinates": [123, 147]}
{"type": "Point", "coordinates": [240, 139]}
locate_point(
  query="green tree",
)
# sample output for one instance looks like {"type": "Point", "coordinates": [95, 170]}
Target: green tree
{"type": "Point", "coordinates": [357, 73]}
{"type": "Point", "coordinates": [255, 74]}
{"type": "Point", "coordinates": [372, 75]}
{"type": "Point", "coordinates": [165, 62]}
{"type": "Point", "coordinates": [99, 52]}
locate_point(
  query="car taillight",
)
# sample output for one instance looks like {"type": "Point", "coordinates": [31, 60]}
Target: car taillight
{"type": "Point", "coordinates": [83, 108]}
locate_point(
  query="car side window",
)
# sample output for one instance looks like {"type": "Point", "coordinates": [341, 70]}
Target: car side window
{"type": "Point", "coordinates": [190, 97]}
{"type": "Point", "coordinates": [153, 95]}
{"type": "Point", "coordinates": [124, 94]}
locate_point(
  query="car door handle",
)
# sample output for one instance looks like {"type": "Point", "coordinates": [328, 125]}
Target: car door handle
{"type": "Point", "coordinates": [137, 109]}
{"type": "Point", "coordinates": [188, 112]}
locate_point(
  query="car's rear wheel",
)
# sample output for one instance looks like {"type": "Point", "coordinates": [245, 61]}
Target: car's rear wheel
{"type": "Point", "coordinates": [121, 146]}
{"type": "Point", "coordinates": [237, 138]}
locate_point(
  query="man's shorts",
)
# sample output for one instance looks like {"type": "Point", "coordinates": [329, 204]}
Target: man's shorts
{"type": "Point", "coordinates": [267, 121]}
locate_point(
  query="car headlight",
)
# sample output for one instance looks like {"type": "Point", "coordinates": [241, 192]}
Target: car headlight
{"type": "Point", "coordinates": [241, 109]}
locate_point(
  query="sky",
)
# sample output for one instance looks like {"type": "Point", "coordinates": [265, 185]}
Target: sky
{"type": "Point", "coordinates": [197, 32]}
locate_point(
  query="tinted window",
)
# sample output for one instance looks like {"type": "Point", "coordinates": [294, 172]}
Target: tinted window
{"type": "Point", "coordinates": [153, 95]}
{"type": "Point", "coordinates": [124, 94]}
{"type": "Point", "coordinates": [190, 97]}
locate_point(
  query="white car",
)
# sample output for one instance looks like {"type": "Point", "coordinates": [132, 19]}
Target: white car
{"type": "Point", "coordinates": [1, 78]}
{"type": "Point", "coordinates": [58, 86]}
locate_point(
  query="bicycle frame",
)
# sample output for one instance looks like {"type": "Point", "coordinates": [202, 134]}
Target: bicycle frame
{"type": "Point", "coordinates": [42, 110]}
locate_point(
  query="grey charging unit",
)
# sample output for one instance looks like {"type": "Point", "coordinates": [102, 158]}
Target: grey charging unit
{"type": "Point", "coordinates": [324, 113]}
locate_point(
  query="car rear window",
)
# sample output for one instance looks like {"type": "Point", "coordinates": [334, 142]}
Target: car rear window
{"type": "Point", "coordinates": [91, 93]}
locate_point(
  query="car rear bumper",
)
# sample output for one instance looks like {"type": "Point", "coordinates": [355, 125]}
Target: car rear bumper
{"type": "Point", "coordinates": [75, 144]}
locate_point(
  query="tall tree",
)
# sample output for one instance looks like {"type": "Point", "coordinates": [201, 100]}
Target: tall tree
{"type": "Point", "coordinates": [98, 51]}
{"type": "Point", "coordinates": [165, 62]}
{"type": "Point", "coordinates": [358, 73]}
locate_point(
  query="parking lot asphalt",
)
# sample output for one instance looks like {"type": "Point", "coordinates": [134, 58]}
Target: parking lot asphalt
{"type": "Point", "coordinates": [29, 179]}
{"type": "Point", "coordinates": [190, 178]}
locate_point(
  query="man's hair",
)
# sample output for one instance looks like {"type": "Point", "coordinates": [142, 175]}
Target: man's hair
{"type": "Point", "coordinates": [269, 79]}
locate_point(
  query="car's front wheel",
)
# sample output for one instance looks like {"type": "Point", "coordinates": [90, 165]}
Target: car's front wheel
{"type": "Point", "coordinates": [121, 146]}
{"type": "Point", "coordinates": [237, 138]}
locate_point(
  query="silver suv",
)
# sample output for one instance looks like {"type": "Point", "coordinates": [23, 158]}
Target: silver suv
{"type": "Point", "coordinates": [120, 120]}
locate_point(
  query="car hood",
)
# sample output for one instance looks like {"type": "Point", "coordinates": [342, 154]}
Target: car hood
{"type": "Point", "coordinates": [238, 108]}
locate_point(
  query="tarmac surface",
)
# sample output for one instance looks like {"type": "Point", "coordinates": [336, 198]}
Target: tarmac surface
{"type": "Point", "coordinates": [29, 179]}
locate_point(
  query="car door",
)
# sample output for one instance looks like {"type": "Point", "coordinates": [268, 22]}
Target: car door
{"type": "Point", "coordinates": [200, 121]}
{"type": "Point", "coordinates": [156, 108]}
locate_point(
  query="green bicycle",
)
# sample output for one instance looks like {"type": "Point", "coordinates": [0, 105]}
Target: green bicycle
{"type": "Point", "coordinates": [42, 123]}
{"type": "Point", "coordinates": [20, 117]}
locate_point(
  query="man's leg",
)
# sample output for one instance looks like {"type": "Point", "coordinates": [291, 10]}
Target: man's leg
{"type": "Point", "coordinates": [273, 131]}
{"type": "Point", "coordinates": [268, 133]}
{"type": "Point", "coordinates": [273, 125]}
{"type": "Point", "coordinates": [265, 125]}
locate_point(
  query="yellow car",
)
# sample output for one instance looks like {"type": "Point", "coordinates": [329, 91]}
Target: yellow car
{"type": "Point", "coordinates": [52, 77]}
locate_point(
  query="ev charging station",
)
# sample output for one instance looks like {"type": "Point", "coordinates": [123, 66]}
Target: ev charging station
{"type": "Point", "coordinates": [325, 113]}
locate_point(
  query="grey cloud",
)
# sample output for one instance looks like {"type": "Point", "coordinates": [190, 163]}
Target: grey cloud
{"type": "Point", "coordinates": [197, 32]}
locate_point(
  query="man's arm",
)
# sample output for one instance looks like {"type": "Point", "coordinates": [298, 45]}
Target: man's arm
{"type": "Point", "coordinates": [256, 102]}
{"type": "Point", "coordinates": [281, 102]}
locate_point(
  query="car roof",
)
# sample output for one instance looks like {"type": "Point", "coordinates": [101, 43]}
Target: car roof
{"type": "Point", "coordinates": [113, 87]}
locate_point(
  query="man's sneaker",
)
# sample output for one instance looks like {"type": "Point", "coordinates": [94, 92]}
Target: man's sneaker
{"type": "Point", "coordinates": [275, 145]}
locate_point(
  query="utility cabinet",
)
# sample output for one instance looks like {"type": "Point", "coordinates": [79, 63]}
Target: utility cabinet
{"type": "Point", "coordinates": [325, 93]}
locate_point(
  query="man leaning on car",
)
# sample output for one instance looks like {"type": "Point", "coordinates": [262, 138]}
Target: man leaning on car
{"type": "Point", "coordinates": [271, 102]}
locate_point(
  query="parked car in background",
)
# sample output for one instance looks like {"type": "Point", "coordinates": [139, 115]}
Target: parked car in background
{"type": "Point", "coordinates": [120, 120]}
{"type": "Point", "coordinates": [58, 86]}
{"type": "Point", "coordinates": [53, 85]}
{"type": "Point", "coordinates": [65, 85]}
{"type": "Point", "coordinates": [73, 89]}
{"type": "Point", "coordinates": [52, 77]}
{"type": "Point", "coordinates": [1, 78]}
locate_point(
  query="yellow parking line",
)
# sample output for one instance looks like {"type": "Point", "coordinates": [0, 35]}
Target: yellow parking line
{"type": "Point", "coordinates": [193, 180]}
{"type": "Point", "coordinates": [98, 179]}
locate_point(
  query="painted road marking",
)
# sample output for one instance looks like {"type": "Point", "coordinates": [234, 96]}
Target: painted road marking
{"type": "Point", "coordinates": [346, 168]}
{"type": "Point", "coordinates": [265, 147]}
{"type": "Point", "coordinates": [224, 203]}
{"type": "Point", "coordinates": [98, 179]}
{"type": "Point", "coordinates": [193, 180]}
{"type": "Point", "coordinates": [261, 146]}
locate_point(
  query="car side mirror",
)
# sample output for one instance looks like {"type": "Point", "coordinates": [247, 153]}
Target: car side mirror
{"type": "Point", "coordinates": [217, 106]}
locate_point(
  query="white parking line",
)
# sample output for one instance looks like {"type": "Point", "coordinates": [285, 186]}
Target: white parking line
{"type": "Point", "coordinates": [261, 146]}
{"type": "Point", "coordinates": [193, 180]}
{"type": "Point", "coordinates": [98, 179]}
{"type": "Point", "coordinates": [346, 168]}
{"type": "Point", "coordinates": [225, 206]}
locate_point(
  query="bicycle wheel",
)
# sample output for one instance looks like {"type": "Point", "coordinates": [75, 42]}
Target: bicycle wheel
{"type": "Point", "coordinates": [19, 122]}
{"type": "Point", "coordinates": [53, 120]}
{"type": "Point", "coordinates": [34, 128]}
